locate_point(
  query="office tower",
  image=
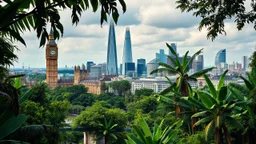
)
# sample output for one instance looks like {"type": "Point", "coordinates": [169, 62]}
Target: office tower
{"type": "Point", "coordinates": [127, 52]}
{"type": "Point", "coordinates": [88, 65]}
{"type": "Point", "coordinates": [152, 65]}
{"type": "Point", "coordinates": [111, 68]}
{"type": "Point", "coordinates": [121, 69]}
{"type": "Point", "coordinates": [103, 68]}
{"type": "Point", "coordinates": [162, 56]}
{"type": "Point", "coordinates": [130, 69]}
{"type": "Point", "coordinates": [158, 56]}
{"type": "Point", "coordinates": [174, 47]}
{"type": "Point", "coordinates": [141, 67]}
{"type": "Point", "coordinates": [200, 58]}
{"type": "Point", "coordinates": [95, 72]}
{"type": "Point", "coordinates": [220, 57]}
{"type": "Point", "coordinates": [245, 62]}
{"type": "Point", "coordinates": [83, 67]}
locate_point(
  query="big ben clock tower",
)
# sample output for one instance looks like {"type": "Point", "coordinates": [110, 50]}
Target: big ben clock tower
{"type": "Point", "coordinates": [51, 62]}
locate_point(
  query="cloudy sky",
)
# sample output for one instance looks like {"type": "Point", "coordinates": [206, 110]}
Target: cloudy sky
{"type": "Point", "coordinates": [152, 24]}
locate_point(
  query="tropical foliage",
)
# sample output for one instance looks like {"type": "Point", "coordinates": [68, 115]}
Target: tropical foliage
{"type": "Point", "coordinates": [141, 133]}
{"type": "Point", "coordinates": [214, 13]}
{"type": "Point", "coordinates": [18, 16]}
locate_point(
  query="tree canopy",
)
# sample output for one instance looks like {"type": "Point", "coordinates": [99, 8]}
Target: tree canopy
{"type": "Point", "coordinates": [215, 12]}
{"type": "Point", "coordinates": [18, 16]}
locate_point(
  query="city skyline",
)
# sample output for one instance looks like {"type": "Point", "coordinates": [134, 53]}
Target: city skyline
{"type": "Point", "coordinates": [88, 41]}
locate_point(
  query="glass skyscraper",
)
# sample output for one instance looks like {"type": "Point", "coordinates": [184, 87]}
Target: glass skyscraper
{"type": "Point", "coordinates": [111, 68]}
{"type": "Point", "coordinates": [220, 57]}
{"type": "Point", "coordinates": [127, 52]}
{"type": "Point", "coordinates": [245, 62]}
{"type": "Point", "coordinates": [174, 47]}
{"type": "Point", "coordinates": [141, 68]}
{"type": "Point", "coordinates": [89, 64]}
{"type": "Point", "coordinates": [162, 56]}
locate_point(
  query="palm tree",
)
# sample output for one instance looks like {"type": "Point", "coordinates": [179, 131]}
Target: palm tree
{"type": "Point", "coordinates": [221, 110]}
{"type": "Point", "coordinates": [190, 106]}
{"type": "Point", "coordinates": [181, 69]}
{"type": "Point", "coordinates": [107, 130]}
{"type": "Point", "coordinates": [10, 119]}
{"type": "Point", "coordinates": [7, 57]}
{"type": "Point", "coordinates": [247, 93]}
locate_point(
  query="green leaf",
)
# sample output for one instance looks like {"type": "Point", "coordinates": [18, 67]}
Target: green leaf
{"type": "Point", "coordinates": [184, 61]}
{"type": "Point", "coordinates": [12, 125]}
{"type": "Point", "coordinates": [209, 130]}
{"type": "Point", "coordinates": [25, 96]}
{"type": "Point", "coordinates": [196, 103]}
{"type": "Point", "coordinates": [222, 94]}
{"type": "Point", "coordinates": [192, 58]}
{"type": "Point", "coordinates": [206, 98]}
{"type": "Point", "coordinates": [145, 128]}
{"type": "Point", "coordinates": [115, 16]}
{"type": "Point", "coordinates": [175, 54]}
{"type": "Point", "coordinates": [123, 5]}
{"type": "Point", "coordinates": [204, 120]}
{"type": "Point", "coordinates": [132, 139]}
{"type": "Point", "coordinates": [94, 4]}
{"type": "Point", "coordinates": [199, 114]}
{"type": "Point", "coordinates": [201, 72]}
{"type": "Point", "coordinates": [247, 83]}
{"type": "Point", "coordinates": [17, 36]}
{"type": "Point", "coordinates": [168, 89]}
{"type": "Point", "coordinates": [222, 80]}
{"type": "Point", "coordinates": [211, 86]}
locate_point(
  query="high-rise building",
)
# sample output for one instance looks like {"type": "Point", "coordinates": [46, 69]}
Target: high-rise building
{"type": "Point", "coordinates": [121, 69]}
{"type": "Point", "coordinates": [88, 65]}
{"type": "Point", "coordinates": [130, 69]}
{"type": "Point", "coordinates": [111, 68]}
{"type": "Point", "coordinates": [51, 62]}
{"type": "Point", "coordinates": [103, 68]}
{"type": "Point", "coordinates": [245, 62]}
{"type": "Point", "coordinates": [158, 56]}
{"type": "Point", "coordinates": [152, 65]}
{"type": "Point", "coordinates": [95, 72]}
{"type": "Point", "coordinates": [198, 64]}
{"type": "Point", "coordinates": [174, 47]}
{"type": "Point", "coordinates": [220, 57]}
{"type": "Point", "coordinates": [200, 58]}
{"type": "Point", "coordinates": [127, 51]}
{"type": "Point", "coordinates": [141, 68]}
{"type": "Point", "coordinates": [162, 56]}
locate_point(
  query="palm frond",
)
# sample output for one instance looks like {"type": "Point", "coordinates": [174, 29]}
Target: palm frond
{"type": "Point", "coordinates": [175, 54]}
{"type": "Point", "coordinates": [163, 70]}
{"type": "Point", "coordinates": [173, 61]}
{"type": "Point", "coordinates": [184, 61]}
{"type": "Point", "coordinates": [168, 89]}
{"type": "Point", "coordinates": [192, 58]}
{"type": "Point", "coordinates": [201, 72]}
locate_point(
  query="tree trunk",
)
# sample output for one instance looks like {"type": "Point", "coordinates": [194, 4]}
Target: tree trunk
{"type": "Point", "coordinates": [217, 136]}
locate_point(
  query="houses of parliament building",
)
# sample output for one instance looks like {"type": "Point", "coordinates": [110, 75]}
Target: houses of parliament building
{"type": "Point", "coordinates": [81, 75]}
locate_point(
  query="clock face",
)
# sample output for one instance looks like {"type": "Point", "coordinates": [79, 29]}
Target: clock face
{"type": "Point", "coordinates": [52, 52]}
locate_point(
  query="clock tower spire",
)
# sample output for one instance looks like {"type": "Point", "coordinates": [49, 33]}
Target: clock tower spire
{"type": "Point", "coordinates": [51, 61]}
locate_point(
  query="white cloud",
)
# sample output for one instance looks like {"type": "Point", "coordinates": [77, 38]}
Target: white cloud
{"type": "Point", "coordinates": [152, 24]}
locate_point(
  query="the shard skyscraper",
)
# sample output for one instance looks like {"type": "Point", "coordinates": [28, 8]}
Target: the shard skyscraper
{"type": "Point", "coordinates": [127, 53]}
{"type": "Point", "coordinates": [111, 68]}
